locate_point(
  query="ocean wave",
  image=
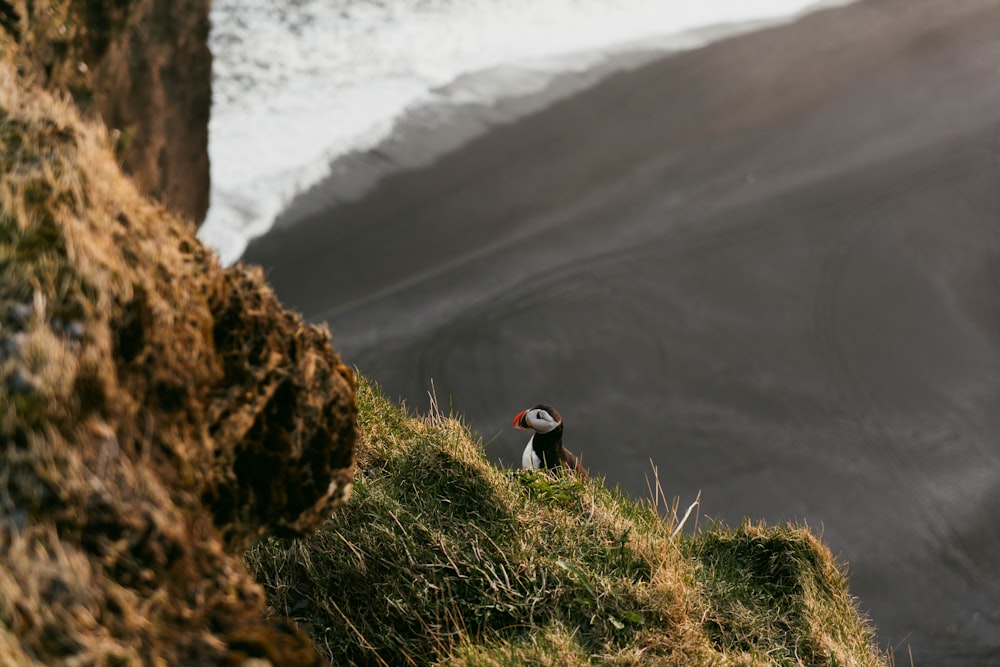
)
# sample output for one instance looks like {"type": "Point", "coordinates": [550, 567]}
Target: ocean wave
{"type": "Point", "coordinates": [301, 83]}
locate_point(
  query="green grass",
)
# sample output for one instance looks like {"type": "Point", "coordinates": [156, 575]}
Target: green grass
{"type": "Point", "coordinates": [441, 557]}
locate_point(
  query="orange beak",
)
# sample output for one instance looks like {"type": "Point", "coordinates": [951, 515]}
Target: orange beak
{"type": "Point", "coordinates": [519, 421]}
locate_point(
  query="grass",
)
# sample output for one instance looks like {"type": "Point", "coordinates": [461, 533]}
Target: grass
{"type": "Point", "coordinates": [442, 558]}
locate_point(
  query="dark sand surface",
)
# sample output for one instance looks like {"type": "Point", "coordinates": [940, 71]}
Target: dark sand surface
{"type": "Point", "coordinates": [771, 265]}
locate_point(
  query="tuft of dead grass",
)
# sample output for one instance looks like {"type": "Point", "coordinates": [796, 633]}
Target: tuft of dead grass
{"type": "Point", "coordinates": [442, 558]}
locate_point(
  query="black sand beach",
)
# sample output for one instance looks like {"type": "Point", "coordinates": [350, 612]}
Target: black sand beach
{"type": "Point", "coordinates": [771, 265]}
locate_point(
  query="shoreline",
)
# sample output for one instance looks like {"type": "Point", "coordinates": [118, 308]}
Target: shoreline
{"type": "Point", "coordinates": [447, 120]}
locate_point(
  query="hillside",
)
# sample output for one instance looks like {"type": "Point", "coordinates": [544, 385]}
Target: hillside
{"type": "Point", "coordinates": [158, 414]}
{"type": "Point", "coordinates": [441, 557]}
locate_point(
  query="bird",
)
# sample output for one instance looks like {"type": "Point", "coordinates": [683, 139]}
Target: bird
{"type": "Point", "coordinates": [545, 448]}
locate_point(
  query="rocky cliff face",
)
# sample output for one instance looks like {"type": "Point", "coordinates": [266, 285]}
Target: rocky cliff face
{"type": "Point", "coordinates": [157, 415]}
{"type": "Point", "coordinates": [154, 86]}
{"type": "Point", "coordinates": [143, 67]}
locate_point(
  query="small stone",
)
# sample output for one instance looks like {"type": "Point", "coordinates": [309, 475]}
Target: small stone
{"type": "Point", "coordinates": [21, 313]}
{"type": "Point", "coordinates": [15, 342]}
{"type": "Point", "coordinates": [17, 519]}
{"type": "Point", "coordinates": [75, 330]}
{"type": "Point", "coordinates": [21, 381]}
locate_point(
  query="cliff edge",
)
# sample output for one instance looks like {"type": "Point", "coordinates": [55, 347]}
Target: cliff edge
{"type": "Point", "coordinates": [141, 66]}
{"type": "Point", "coordinates": [157, 415]}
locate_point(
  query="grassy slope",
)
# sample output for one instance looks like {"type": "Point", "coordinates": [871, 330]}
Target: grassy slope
{"type": "Point", "coordinates": [442, 557]}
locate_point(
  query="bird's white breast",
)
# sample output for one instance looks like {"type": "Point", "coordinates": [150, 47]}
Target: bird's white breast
{"type": "Point", "coordinates": [529, 459]}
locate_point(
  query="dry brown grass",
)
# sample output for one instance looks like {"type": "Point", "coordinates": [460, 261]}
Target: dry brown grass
{"type": "Point", "coordinates": [157, 414]}
{"type": "Point", "coordinates": [56, 43]}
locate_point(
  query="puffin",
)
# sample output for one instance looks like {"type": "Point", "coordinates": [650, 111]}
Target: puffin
{"type": "Point", "coordinates": [545, 448]}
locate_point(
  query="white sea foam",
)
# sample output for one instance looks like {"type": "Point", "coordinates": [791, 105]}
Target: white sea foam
{"type": "Point", "coordinates": [298, 83]}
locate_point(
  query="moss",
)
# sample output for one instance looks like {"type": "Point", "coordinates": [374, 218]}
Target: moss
{"type": "Point", "coordinates": [440, 557]}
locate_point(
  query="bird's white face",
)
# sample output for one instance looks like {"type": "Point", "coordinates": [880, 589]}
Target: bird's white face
{"type": "Point", "coordinates": [540, 420]}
